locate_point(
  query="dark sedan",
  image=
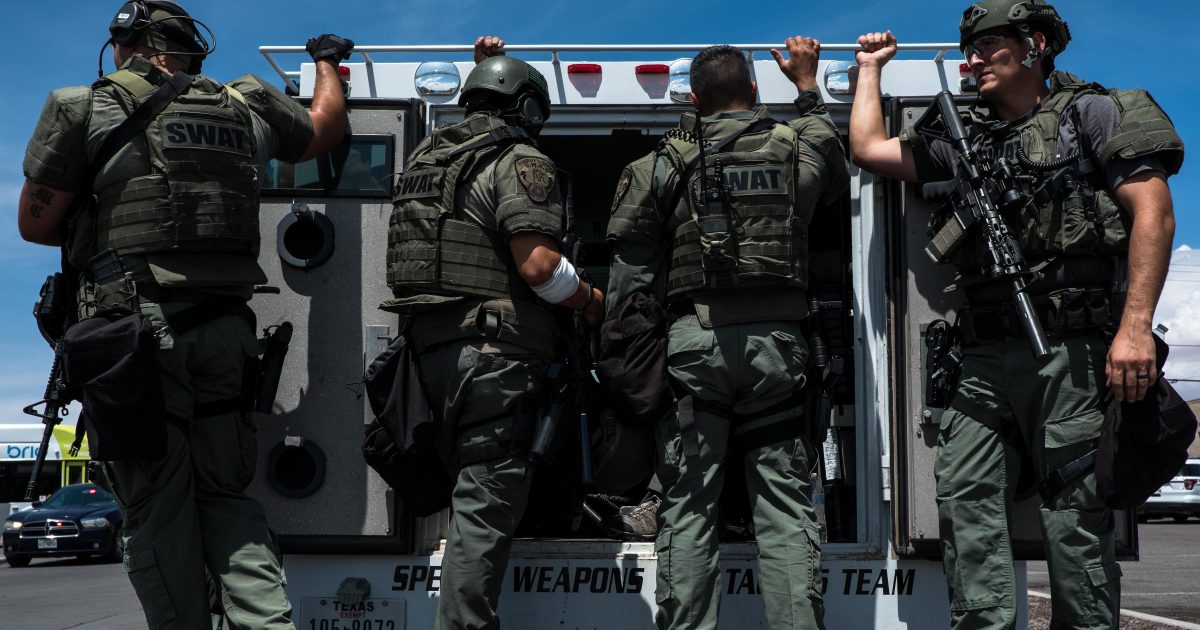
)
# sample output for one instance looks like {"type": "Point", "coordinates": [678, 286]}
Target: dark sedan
{"type": "Point", "coordinates": [77, 520]}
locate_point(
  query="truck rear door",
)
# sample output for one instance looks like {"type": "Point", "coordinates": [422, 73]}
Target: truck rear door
{"type": "Point", "coordinates": [324, 227]}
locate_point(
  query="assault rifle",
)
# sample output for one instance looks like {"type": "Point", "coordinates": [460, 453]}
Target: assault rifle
{"type": "Point", "coordinates": [54, 312]}
{"type": "Point", "coordinates": [576, 364]}
{"type": "Point", "coordinates": [985, 190]}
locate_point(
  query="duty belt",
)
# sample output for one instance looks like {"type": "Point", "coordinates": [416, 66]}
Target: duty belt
{"type": "Point", "coordinates": [1065, 312]}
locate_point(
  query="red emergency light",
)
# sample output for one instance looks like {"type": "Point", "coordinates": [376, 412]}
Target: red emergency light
{"type": "Point", "coordinates": [1188, 484]}
{"type": "Point", "coordinates": [584, 68]}
{"type": "Point", "coordinates": [652, 68]}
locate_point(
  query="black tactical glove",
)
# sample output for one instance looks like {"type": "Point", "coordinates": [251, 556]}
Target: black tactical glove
{"type": "Point", "coordinates": [329, 46]}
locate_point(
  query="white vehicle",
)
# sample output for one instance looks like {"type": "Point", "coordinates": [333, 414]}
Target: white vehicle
{"type": "Point", "coordinates": [338, 520]}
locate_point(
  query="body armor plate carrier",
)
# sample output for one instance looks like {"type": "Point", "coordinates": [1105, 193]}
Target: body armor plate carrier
{"type": "Point", "coordinates": [769, 241]}
{"type": "Point", "coordinates": [1070, 209]}
{"type": "Point", "coordinates": [200, 193]}
{"type": "Point", "coordinates": [431, 248]}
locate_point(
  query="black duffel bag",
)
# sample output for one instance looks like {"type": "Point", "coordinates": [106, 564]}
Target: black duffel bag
{"type": "Point", "coordinates": [110, 364]}
{"type": "Point", "coordinates": [399, 444]}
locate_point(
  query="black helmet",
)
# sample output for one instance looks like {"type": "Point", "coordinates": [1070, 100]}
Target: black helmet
{"type": "Point", "coordinates": [515, 83]}
{"type": "Point", "coordinates": [1023, 15]}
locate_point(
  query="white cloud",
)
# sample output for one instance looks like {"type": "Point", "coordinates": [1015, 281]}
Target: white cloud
{"type": "Point", "coordinates": [1179, 311]}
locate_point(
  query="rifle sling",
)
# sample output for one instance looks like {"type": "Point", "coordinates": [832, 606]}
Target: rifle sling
{"type": "Point", "coordinates": [137, 121]}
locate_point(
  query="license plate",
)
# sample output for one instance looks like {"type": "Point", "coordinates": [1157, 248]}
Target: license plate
{"type": "Point", "coordinates": [326, 613]}
{"type": "Point", "coordinates": [47, 543]}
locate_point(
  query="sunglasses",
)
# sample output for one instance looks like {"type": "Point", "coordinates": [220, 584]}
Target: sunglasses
{"type": "Point", "coordinates": [985, 46]}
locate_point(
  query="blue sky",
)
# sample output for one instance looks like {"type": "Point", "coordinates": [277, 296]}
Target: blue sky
{"type": "Point", "coordinates": [1122, 44]}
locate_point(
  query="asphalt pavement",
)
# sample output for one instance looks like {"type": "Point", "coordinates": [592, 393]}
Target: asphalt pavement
{"type": "Point", "coordinates": [1166, 582]}
{"type": "Point", "coordinates": [88, 595]}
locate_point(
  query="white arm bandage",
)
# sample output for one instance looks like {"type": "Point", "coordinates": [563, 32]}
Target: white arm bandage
{"type": "Point", "coordinates": [562, 283]}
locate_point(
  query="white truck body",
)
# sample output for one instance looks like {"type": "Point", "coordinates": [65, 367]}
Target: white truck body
{"type": "Point", "coordinates": [884, 570]}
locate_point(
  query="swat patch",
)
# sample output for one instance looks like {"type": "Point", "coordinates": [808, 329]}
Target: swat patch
{"type": "Point", "coordinates": [755, 180]}
{"type": "Point", "coordinates": [537, 176]}
{"type": "Point", "coordinates": [420, 183]}
{"type": "Point", "coordinates": [201, 133]}
{"type": "Point", "coordinates": [622, 188]}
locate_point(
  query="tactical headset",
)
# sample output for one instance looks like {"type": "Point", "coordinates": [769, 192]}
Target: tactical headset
{"type": "Point", "coordinates": [528, 108]}
{"type": "Point", "coordinates": [132, 20]}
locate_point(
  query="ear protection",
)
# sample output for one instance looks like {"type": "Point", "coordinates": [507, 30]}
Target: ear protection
{"type": "Point", "coordinates": [530, 110]}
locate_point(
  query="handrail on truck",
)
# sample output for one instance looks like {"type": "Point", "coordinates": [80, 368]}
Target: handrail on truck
{"type": "Point", "coordinates": [290, 77]}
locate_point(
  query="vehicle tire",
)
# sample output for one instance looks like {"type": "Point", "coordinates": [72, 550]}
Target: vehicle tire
{"type": "Point", "coordinates": [1180, 518]}
{"type": "Point", "coordinates": [17, 562]}
{"type": "Point", "coordinates": [116, 551]}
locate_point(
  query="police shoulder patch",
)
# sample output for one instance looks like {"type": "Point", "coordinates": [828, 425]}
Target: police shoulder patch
{"type": "Point", "coordinates": [622, 188]}
{"type": "Point", "coordinates": [537, 176]}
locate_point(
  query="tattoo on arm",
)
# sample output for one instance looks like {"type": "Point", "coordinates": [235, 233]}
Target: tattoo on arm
{"type": "Point", "coordinates": [36, 211]}
{"type": "Point", "coordinates": [42, 195]}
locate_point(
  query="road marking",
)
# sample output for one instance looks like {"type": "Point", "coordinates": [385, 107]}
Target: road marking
{"type": "Point", "coordinates": [1174, 623]}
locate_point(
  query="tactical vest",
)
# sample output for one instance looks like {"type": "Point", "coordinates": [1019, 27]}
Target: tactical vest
{"type": "Point", "coordinates": [432, 249]}
{"type": "Point", "coordinates": [770, 241]}
{"type": "Point", "coordinates": [200, 190]}
{"type": "Point", "coordinates": [1072, 210]}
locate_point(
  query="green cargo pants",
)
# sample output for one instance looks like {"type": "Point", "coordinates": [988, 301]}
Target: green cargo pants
{"type": "Point", "coordinates": [1057, 407]}
{"type": "Point", "coordinates": [745, 368]}
{"type": "Point", "coordinates": [188, 511]}
{"type": "Point", "coordinates": [474, 388]}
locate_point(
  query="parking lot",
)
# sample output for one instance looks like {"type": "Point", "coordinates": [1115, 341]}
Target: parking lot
{"type": "Point", "coordinates": [88, 595]}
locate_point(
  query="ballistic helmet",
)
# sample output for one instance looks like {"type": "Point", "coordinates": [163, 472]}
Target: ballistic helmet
{"type": "Point", "coordinates": [1023, 16]}
{"type": "Point", "coordinates": [510, 82]}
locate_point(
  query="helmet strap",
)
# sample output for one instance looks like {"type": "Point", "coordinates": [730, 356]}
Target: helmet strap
{"type": "Point", "coordinates": [1034, 54]}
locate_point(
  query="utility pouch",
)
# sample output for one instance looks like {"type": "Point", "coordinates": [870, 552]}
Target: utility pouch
{"type": "Point", "coordinates": [1079, 310]}
{"type": "Point", "coordinates": [399, 443]}
{"type": "Point", "coordinates": [718, 242]}
{"type": "Point", "coordinates": [111, 362]}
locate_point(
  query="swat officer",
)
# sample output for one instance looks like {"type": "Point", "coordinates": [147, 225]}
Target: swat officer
{"type": "Point", "coordinates": [178, 208]}
{"type": "Point", "coordinates": [1095, 164]}
{"type": "Point", "coordinates": [721, 238]}
{"type": "Point", "coordinates": [474, 264]}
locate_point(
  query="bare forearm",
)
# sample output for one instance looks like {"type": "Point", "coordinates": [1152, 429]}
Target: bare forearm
{"type": "Point", "coordinates": [866, 116]}
{"type": "Point", "coordinates": [1149, 256]}
{"type": "Point", "coordinates": [328, 111]}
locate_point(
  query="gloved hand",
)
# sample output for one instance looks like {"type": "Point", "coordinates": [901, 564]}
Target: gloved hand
{"type": "Point", "coordinates": [329, 46]}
